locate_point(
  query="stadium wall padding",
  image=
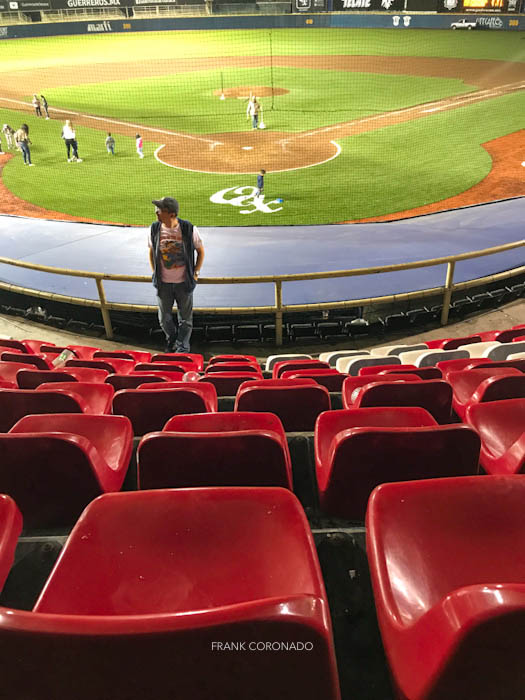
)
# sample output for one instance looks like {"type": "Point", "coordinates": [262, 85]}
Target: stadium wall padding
{"type": "Point", "coordinates": [398, 22]}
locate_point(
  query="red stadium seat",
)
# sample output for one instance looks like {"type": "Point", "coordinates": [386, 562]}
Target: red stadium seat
{"type": "Point", "coordinates": [37, 361]}
{"type": "Point", "coordinates": [506, 336]}
{"type": "Point", "coordinates": [330, 378]}
{"type": "Point", "coordinates": [452, 343]}
{"type": "Point", "coordinates": [216, 449]}
{"type": "Point", "coordinates": [53, 466]}
{"type": "Point", "coordinates": [9, 370]}
{"type": "Point", "coordinates": [286, 365]}
{"type": "Point", "coordinates": [233, 358]}
{"type": "Point", "coordinates": [516, 364]}
{"type": "Point", "coordinates": [448, 366]}
{"type": "Point", "coordinates": [113, 598]}
{"type": "Point", "coordinates": [501, 427]}
{"type": "Point", "coordinates": [377, 369]}
{"type": "Point", "coordinates": [97, 396]}
{"type": "Point", "coordinates": [31, 378]}
{"type": "Point", "coordinates": [136, 355]}
{"type": "Point", "coordinates": [149, 410]}
{"type": "Point", "coordinates": [112, 366]}
{"type": "Point", "coordinates": [226, 383]}
{"type": "Point", "coordinates": [234, 367]}
{"type": "Point", "coordinates": [352, 383]}
{"type": "Point", "coordinates": [434, 395]}
{"type": "Point", "coordinates": [197, 359]}
{"type": "Point", "coordinates": [17, 403]}
{"type": "Point", "coordinates": [447, 563]}
{"type": "Point", "coordinates": [469, 385]}
{"type": "Point", "coordinates": [422, 372]}
{"type": "Point", "coordinates": [359, 458]}
{"type": "Point", "coordinates": [84, 352]}
{"type": "Point", "coordinates": [296, 402]}
{"type": "Point", "coordinates": [19, 345]}
{"type": "Point", "coordinates": [135, 379]}
{"type": "Point", "coordinates": [180, 367]}
{"type": "Point", "coordinates": [10, 529]}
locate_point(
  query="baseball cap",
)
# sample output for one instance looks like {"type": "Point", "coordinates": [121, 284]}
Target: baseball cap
{"type": "Point", "coordinates": [167, 203]}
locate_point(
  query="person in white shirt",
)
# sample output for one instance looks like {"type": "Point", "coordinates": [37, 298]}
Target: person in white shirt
{"type": "Point", "coordinates": [253, 110]}
{"type": "Point", "coordinates": [69, 136]}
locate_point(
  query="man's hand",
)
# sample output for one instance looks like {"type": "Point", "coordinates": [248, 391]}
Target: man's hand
{"type": "Point", "coordinates": [196, 275]}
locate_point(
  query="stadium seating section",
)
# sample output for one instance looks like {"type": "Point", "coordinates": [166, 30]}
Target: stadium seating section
{"type": "Point", "coordinates": [192, 499]}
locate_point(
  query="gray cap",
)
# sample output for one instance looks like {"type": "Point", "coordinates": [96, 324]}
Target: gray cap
{"type": "Point", "coordinates": [168, 204]}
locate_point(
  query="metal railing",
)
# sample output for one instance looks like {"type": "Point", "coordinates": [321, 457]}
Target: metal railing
{"type": "Point", "coordinates": [278, 308]}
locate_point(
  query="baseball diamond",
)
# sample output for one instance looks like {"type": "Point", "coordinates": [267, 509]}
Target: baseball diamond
{"type": "Point", "coordinates": [335, 123]}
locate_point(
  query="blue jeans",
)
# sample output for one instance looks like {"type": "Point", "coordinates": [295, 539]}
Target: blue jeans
{"type": "Point", "coordinates": [167, 296]}
{"type": "Point", "coordinates": [255, 121]}
{"type": "Point", "coordinates": [25, 151]}
{"type": "Point", "coordinates": [111, 149]}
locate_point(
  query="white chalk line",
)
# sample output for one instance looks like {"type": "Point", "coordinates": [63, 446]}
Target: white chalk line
{"type": "Point", "coordinates": [220, 172]}
{"type": "Point", "coordinates": [122, 123]}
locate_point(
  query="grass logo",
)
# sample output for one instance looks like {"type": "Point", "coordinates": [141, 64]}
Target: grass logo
{"type": "Point", "coordinates": [246, 198]}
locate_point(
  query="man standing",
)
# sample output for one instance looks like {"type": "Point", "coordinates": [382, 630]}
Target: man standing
{"type": "Point", "coordinates": [176, 254]}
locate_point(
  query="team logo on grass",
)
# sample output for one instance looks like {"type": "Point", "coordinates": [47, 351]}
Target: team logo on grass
{"type": "Point", "coordinates": [247, 198]}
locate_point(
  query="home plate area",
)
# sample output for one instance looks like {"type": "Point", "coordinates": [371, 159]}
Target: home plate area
{"type": "Point", "coordinates": [247, 152]}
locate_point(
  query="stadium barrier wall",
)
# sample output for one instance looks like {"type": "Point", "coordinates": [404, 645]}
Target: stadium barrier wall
{"type": "Point", "coordinates": [399, 22]}
{"type": "Point", "coordinates": [278, 309]}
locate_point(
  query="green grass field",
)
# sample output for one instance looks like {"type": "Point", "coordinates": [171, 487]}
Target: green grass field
{"type": "Point", "coordinates": [391, 169]}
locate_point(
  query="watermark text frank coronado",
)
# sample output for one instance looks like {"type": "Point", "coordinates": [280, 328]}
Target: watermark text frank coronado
{"type": "Point", "coordinates": [262, 646]}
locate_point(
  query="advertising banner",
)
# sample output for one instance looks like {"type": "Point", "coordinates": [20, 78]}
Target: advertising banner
{"type": "Point", "coordinates": [479, 6]}
{"type": "Point", "coordinates": [373, 5]}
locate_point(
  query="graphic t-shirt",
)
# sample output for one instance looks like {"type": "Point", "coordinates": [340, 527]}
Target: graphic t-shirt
{"type": "Point", "coordinates": [172, 267]}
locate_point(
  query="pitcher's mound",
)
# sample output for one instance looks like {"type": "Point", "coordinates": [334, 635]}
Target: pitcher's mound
{"type": "Point", "coordinates": [244, 92]}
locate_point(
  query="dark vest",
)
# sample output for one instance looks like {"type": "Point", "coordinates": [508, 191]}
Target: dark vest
{"type": "Point", "coordinates": [189, 253]}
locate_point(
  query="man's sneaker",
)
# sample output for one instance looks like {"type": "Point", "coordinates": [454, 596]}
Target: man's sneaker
{"type": "Point", "coordinates": [170, 346]}
{"type": "Point", "coordinates": [79, 160]}
{"type": "Point", "coordinates": [69, 160]}
{"type": "Point", "coordinates": [31, 165]}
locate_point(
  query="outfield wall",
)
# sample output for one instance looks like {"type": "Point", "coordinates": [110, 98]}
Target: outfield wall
{"type": "Point", "coordinates": [365, 20]}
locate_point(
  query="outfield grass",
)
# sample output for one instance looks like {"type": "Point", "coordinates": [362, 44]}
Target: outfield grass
{"type": "Point", "coordinates": [79, 50]}
{"type": "Point", "coordinates": [316, 98]}
{"type": "Point", "coordinates": [388, 170]}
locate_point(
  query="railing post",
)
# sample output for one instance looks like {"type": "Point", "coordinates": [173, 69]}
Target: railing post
{"type": "Point", "coordinates": [104, 309]}
{"type": "Point", "coordinates": [449, 284]}
{"type": "Point", "coordinates": [278, 312]}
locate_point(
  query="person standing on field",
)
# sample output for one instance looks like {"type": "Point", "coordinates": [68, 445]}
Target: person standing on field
{"type": "Point", "coordinates": [260, 182]}
{"type": "Point", "coordinates": [36, 104]}
{"type": "Point", "coordinates": [9, 134]}
{"type": "Point", "coordinates": [45, 105]}
{"type": "Point", "coordinates": [22, 141]}
{"type": "Point", "coordinates": [139, 144]}
{"type": "Point", "coordinates": [110, 144]}
{"type": "Point", "coordinates": [176, 254]}
{"type": "Point", "coordinates": [253, 110]}
{"type": "Point", "coordinates": [69, 136]}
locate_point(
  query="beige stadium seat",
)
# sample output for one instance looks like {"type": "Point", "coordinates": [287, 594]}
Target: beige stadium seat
{"type": "Point", "coordinates": [503, 350]}
{"type": "Point", "coordinates": [430, 358]}
{"type": "Point", "coordinates": [517, 356]}
{"type": "Point", "coordinates": [352, 365]}
{"type": "Point", "coordinates": [479, 349]}
{"type": "Point", "coordinates": [272, 359]}
{"type": "Point", "coordinates": [397, 349]}
{"type": "Point", "coordinates": [334, 355]}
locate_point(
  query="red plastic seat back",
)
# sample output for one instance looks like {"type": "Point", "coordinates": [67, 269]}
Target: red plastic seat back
{"type": "Point", "coordinates": [330, 378]}
{"type": "Point", "coordinates": [297, 405]}
{"type": "Point", "coordinates": [233, 358]}
{"type": "Point", "coordinates": [50, 476]}
{"type": "Point", "coordinates": [422, 372]}
{"type": "Point", "coordinates": [380, 369]}
{"type": "Point", "coordinates": [286, 365]}
{"type": "Point", "coordinates": [193, 357]}
{"type": "Point", "coordinates": [455, 343]}
{"type": "Point", "coordinates": [362, 458]}
{"type": "Point", "coordinates": [10, 529]}
{"type": "Point", "coordinates": [96, 395]}
{"type": "Point", "coordinates": [136, 355]}
{"type": "Point", "coordinates": [498, 388]}
{"type": "Point", "coordinates": [149, 410]}
{"type": "Point", "coordinates": [31, 378]}
{"type": "Point", "coordinates": [434, 395]}
{"type": "Point", "coordinates": [352, 383]}
{"type": "Point", "coordinates": [132, 381]}
{"type": "Point", "coordinates": [15, 344]}
{"type": "Point", "coordinates": [112, 366]}
{"type": "Point", "coordinates": [16, 403]}
{"type": "Point", "coordinates": [181, 367]}
{"type": "Point", "coordinates": [226, 383]}
{"type": "Point", "coordinates": [35, 360]}
{"type": "Point", "coordinates": [234, 367]}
